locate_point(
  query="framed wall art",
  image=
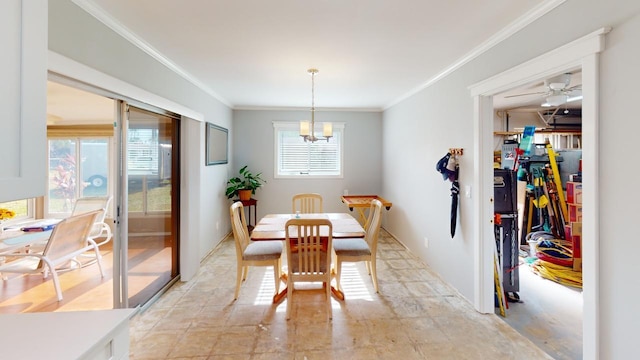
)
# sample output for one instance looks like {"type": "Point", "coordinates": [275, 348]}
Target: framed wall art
{"type": "Point", "coordinates": [217, 144]}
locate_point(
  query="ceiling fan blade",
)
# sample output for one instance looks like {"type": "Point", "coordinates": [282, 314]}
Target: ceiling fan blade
{"type": "Point", "coordinates": [526, 94]}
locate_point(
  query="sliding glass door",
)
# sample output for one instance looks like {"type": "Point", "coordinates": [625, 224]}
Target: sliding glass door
{"type": "Point", "coordinates": [101, 144]}
{"type": "Point", "coordinates": [149, 186]}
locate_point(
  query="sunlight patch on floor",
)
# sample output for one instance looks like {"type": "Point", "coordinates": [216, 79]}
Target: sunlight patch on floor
{"type": "Point", "coordinates": [354, 280]}
{"type": "Point", "coordinates": [267, 288]}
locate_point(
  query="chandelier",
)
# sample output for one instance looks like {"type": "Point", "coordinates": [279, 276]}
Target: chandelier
{"type": "Point", "coordinates": [307, 128]}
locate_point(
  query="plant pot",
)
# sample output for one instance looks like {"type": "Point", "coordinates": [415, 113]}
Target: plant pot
{"type": "Point", "coordinates": [244, 195]}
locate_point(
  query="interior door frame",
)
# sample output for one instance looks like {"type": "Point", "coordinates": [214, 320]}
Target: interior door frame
{"type": "Point", "coordinates": [192, 129]}
{"type": "Point", "coordinates": [582, 53]}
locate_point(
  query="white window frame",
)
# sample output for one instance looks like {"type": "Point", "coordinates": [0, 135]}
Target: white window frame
{"type": "Point", "coordinates": [278, 126]}
{"type": "Point", "coordinates": [30, 215]}
{"type": "Point", "coordinates": [110, 174]}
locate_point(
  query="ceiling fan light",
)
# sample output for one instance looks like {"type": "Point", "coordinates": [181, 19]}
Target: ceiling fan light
{"type": "Point", "coordinates": [559, 82]}
{"type": "Point", "coordinates": [557, 86]}
{"type": "Point", "coordinates": [556, 100]}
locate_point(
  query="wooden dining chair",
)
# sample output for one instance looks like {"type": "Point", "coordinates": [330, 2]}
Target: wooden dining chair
{"type": "Point", "coordinates": [68, 240]}
{"type": "Point", "coordinates": [361, 249]}
{"type": "Point", "coordinates": [307, 203]}
{"type": "Point", "coordinates": [308, 243]}
{"type": "Point", "coordinates": [252, 253]}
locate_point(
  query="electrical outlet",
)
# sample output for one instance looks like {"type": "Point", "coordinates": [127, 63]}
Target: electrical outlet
{"type": "Point", "coordinates": [345, 192]}
{"type": "Point", "coordinates": [217, 225]}
{"type": "Point", "coordinates": [467, 191]}
{"type": "Point", "coordinates": [426, 242]}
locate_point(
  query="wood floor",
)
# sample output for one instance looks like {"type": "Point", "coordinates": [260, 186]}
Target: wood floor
{"type": "Point", "coordinates": [84, 288]}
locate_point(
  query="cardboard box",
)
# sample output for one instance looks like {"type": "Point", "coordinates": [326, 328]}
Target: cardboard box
{"type": "Point", "coordinates": [576, 243]}
{"type": "Point", "coordinates": [577, 264]}
{"type": "Point", "coordinates": [575, 213]}
{"type": "Point", "coordinates": [574, 193]}
{"type": "Point", "coordinates": [576, 228]}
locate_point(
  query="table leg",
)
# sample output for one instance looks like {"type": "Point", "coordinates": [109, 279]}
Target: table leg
{"type": "Point", "coordinates": [277, 298]}
{"type": "Point", "coordinates": [338, 294]}
{"type": "Point", "coordinates": [363, 216]}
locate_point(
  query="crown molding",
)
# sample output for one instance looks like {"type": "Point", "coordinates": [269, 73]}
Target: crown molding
{"type": "Point", "coordinates": [96, 11]}
{"type": "Point", "coordinates": [299, 108]}
{"type": "Point", "coordinates": [515, 26]}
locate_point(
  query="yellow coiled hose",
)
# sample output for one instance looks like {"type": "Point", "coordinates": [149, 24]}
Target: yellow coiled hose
{"type": "Point", "coordinates": [560, 274]}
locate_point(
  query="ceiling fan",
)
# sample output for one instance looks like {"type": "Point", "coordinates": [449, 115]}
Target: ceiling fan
{"type": "Point", "coordinates": [558, 91]}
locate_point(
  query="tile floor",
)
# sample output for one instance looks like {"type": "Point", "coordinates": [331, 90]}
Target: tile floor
{"type": "Point", "coordinates": [415, 316]}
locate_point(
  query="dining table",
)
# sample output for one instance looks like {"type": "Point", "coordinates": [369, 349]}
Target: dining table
{"type": "Point", "coordinates": [272, 227]}
{"type": "Point", "coordinates": [15, 238]}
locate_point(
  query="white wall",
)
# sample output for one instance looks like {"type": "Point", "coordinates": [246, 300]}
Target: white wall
{"type": "Point", "coordinates": [254, 146]}
{"type": "Point", "coordinates": [78, 36]}
{"type": "Point", "coordinates": [419, 131]}
{"type": "Point", "coordinates": [619, 199]}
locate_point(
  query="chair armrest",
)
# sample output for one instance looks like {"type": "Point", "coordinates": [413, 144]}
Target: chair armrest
{"type": "Point", "coordinates": [105, 231]}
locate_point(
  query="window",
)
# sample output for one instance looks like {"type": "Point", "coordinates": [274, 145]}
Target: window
{"type": "Point", "coordinates": [297, 158]}
{"type": "Point", "coordinates": [78, 167]}
{"type": "Point", "coordinates": [23, 210]}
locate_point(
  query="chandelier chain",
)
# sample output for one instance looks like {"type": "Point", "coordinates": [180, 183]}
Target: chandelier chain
{"type": "Point", "coordinates": [307, 129]}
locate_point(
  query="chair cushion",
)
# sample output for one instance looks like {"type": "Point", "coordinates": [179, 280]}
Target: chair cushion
{"type": "Point", "coordinates": [351, 247]}
{"type": "Point", "coordinates": [263, 250]}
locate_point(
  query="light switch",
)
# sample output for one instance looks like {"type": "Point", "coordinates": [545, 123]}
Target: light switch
{"type": "Point", "coordinates": [467, 191]}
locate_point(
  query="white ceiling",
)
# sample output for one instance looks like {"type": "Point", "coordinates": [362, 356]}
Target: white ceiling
{"type": "Point", "coordinates": [71, 106]}
{"type": "Point", "coordinates": [532, 96]}
{"type": "Point", "coordinates": [255, 53]}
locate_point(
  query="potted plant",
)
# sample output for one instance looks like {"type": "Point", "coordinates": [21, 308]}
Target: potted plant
{"type": "Point", "coordinates": [244, 185]}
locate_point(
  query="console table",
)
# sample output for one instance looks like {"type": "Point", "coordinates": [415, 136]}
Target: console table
{"type": "Point", "coordinates": [249, 204]}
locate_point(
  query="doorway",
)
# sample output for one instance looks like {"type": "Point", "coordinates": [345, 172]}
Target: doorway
{"type": "Point", "coordinates": [545, 308]}
{"type": "Point", "coordinates": [583, 54]}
